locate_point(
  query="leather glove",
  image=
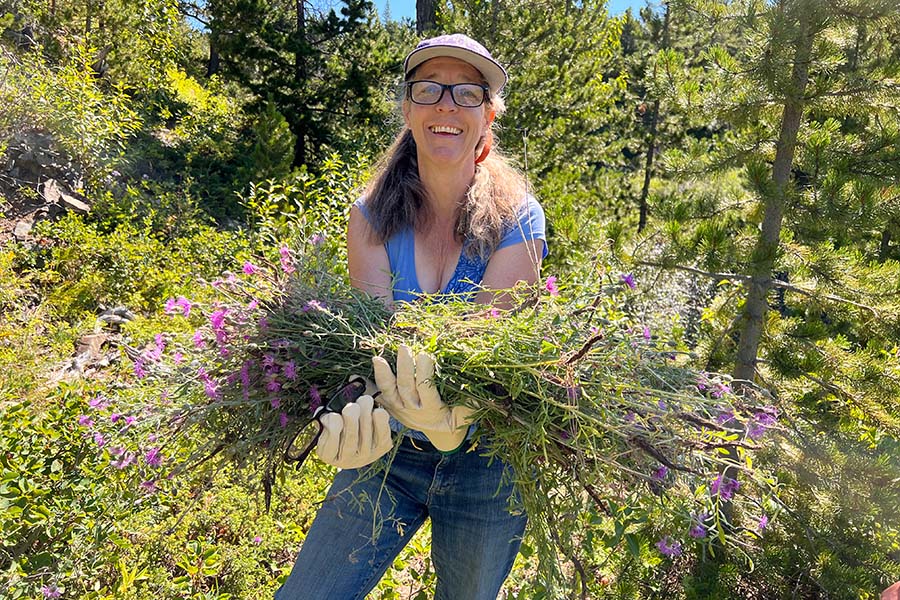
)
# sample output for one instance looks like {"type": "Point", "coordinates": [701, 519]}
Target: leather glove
{"type": "Point", "coordinates": [412, 398]}
{"type": "Point", "coordinates": [355, 438]}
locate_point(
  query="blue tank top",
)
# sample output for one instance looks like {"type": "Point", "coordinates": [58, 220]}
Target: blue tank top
{"type": "Point", "coordinates": [469, 272]}
{"type": "Point", "coordinates": [466, 278]}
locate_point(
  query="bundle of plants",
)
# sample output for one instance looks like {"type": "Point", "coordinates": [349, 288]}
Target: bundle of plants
{"type": "Point", "coordinates": [611, 438]}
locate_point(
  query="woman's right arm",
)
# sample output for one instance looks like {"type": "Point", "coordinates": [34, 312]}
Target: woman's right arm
{"type": "Point", "coordinates": [367, 261]}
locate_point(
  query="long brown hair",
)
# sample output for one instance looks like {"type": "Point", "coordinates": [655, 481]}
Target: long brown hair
{"type": "Point", "coordinates": [396, 199]}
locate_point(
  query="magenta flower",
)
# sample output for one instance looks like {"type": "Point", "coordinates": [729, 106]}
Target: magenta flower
{"type": "Point", "coordinates": [257, 540]}
{"type": "Point", "coordinates": [283, 419]}
{"type": "Point", "coordinates": [153, 457]}
{"type": "Point", "coordinates": [669, 547]}
{"type": "Point", "coordinates": [660, 473]}
{"type": "Point", "coordinates": [250, 268]}
{"type": "Point", "coordinates": [99, 439]}
{"type": "Point", "coordinates": [628, 279]}
{"type": "Point", "coordinates": [114, 417]}
{"type": "Point", "coordinates": [263, 323]}
{"type": "Point", "coordinates": [217, 318]}
{"type": "Point", "coordinates": [198, 340]}
{"type": "Point", "coordinates": [253, 305]}
{"type": "Point", "coordinates": [698, 531]}
{"type": "Point", "coordinates": [178, 358]}
{"type": "Point", "coordinates": [647, 334]}
{"type": "Point", "coordinates": [287, 264]}
{"type": "Point", "coordinates": [148, 486]}
{"type": "Point", "coordinates": [51, 591]}
{"type": "Point", "coordinates": [185, 305]}
{"type": "Point", "coordinates": [126, 459]}
{"type": "Point", "coordinates": [160, 342]}
{"type": "Point", "coordinates": [170, 306]}
{"type": "Point", "coordinates": [550, 286]}
{"type": "Point", "coordinates": [317, 239]}
{"type": "Point", "coordinates": [129, 421]}
{"type": "Point", "coordinates": [85, 421]}
{"type": "Point", "coordinates": [724, 487]}
{"type": "Point", "coordinates": [273, 386]}
{"type": "Point", "coordinates": [98, 403]}
{"type": "Point", "coordinates": [209, 388]}
{"type": "Point", "coordinates": [139, 369]}
{"type": "Point", "coordinates": [313, 305]}
{"type": "Point", "coordinates": [494, 313]}
{"type": "Point", "coordinates": [763, 522]}
{"type": "Point", "coordinates": [275, 402]}
{"type": "Point", "coordinates": [315, 398]}
{"type": "Point", "coordinates": [289, 370]}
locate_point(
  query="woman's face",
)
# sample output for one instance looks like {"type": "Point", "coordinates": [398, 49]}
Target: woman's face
{"type": "Point", "coordinates": [444, 132]}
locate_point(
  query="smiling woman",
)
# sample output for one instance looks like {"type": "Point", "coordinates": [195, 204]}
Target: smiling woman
{"type": "Point", "coordinates": [445, 214]}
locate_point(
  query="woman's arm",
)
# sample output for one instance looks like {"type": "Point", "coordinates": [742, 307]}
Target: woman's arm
{"type": "Point", "coordinates": [508, 266]}
{"type": "Point", "coordinates": [370, 269]}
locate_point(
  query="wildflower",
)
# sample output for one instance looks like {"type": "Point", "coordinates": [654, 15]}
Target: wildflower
{"type": "Point", "coordinates": [565, 434]}
{"type": "Point", "coordinates": [661, 405]}
{"type": "Point", "coordinates": [273, 386]}
{"type": "Point", "coordinates": [148, 486]}
{"type": "Point", "coordinates": [114, 417]}
{"type": "Point", "coordinates": [253, 305]}
{"type": "Point", "coordinates": [85, 421]}
{"type": "Point", "coordinates": [289, 370]}
{"type": "Point", "coordinates": [217, 318]}
{"type": "Point", "coordinates": [630, 417]}
{"type": "Point", "coordinates": [127, 458]}
{"type": "Point", "coordinates": [257, 540]}
{"type": "Point", "coordinates": [315, 398]}
{"type": "Point", "coordinates": [283, 419]}
{"type": "Point", "coordinates": [724, 487]}
{"type": "Point", "coordinates": [594, 330]}
{"type": "Point", "coordinates": [494, 313]}
{"type": "Point", "coordinates": [250, 268]}
{"type": "Point", "coordinates": [317, 239]}
{"type": "Point", "coordinates": [98, 403]}
{"type": "Point", "coordinates": [628, 279]}
{"type": "Point", "coordinates": [263, 323]}
{"type": "Point", "coordinates": [198, 340]}
{"type": "Point", "coordinates": [139, 369]}
{"type": "Point", "coordinates": [51, 591]}
{"type": "Point", "coordinates": [725, 417]}
{"type": "Point", "coordinates": [275, 402]}
{"type": "Point", "coordinates": [99, 439]}
{"type": "Point", "coordinates": [268, 360]}
{"type": "Point", "coordinates": [178, 358]}
{"type": "Point", "coordinates": [669, 547]}
{"type": "Point", "coordinates": [763, 522]}
{"type": "Point", "coordinates": [313, 305]}
{"type": "Point", "coordinates": [185, 305]}
{"type": "Point", "coordinates": [660, 473]}
{"type": "Point", "coordinates": [170, 306]}
{"type": "Point", "coordinates": [698, 531]}
{"type": "Point", "coordinates": [129, 421]}
{"type": "Point", "coordinates": [153, 457]}
{"type": "Point", "coordinates": [209, 388]}
{"type": "Point", "coordinates": [550, 286]}
{"type": "Point", "coordinates": [287, 265]}
{"type": "Point", "coordinates": [160, 342]}
{"type": "Point", "coordinates": [647, 335]}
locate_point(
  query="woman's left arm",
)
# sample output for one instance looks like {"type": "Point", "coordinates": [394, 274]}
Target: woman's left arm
{"type": "Point", "coordinates": [508, 266]}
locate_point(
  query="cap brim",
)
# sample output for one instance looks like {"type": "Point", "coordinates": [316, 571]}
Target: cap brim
{"type": "Point", "coordinates": [494, 74]}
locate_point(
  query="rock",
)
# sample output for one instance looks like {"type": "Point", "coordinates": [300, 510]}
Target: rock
{"type": "Point", "coordinates": [22, 230]}
{"type": "Point", "coordinates": [91, 344]}
{"type": "Point", "coordinates": [116, 316]}
{"type": "Point", "coordinates": [54, 194]}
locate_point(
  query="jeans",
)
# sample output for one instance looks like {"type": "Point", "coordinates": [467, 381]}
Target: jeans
{"type": "Point", "coordinates": [475, 536]}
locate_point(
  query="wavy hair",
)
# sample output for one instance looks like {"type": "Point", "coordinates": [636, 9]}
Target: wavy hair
{"type": "Point", "coordinates": [396, 199]}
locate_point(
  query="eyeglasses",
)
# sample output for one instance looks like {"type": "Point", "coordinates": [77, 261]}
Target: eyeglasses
{"type": "Point", "coordinates": [308, 435]}
{"type": "Point", "coordinates": [465, 95]}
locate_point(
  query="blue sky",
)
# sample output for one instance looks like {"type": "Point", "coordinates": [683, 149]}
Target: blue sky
{"type": "Point", "coordinates": [407, 8]}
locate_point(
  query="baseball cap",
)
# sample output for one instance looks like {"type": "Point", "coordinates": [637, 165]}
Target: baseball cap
{"type": "Point", "coordinates": [464, 48]}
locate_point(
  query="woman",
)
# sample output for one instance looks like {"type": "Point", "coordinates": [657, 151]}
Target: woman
{"type": "Point", "coordinates": [443, 214]}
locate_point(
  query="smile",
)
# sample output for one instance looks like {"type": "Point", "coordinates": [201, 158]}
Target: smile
{"type": "Point", "coordinates": [445, 129]}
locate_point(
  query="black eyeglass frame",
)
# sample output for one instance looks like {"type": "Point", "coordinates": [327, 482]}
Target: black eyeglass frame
{"type": "Point", "coordinates": [346, 394]}
{"type": "Point", "coordinates": [444, 87]}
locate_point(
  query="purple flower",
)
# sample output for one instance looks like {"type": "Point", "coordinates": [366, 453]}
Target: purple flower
{"type": "Point", "coordinates": [283, 419]}
{"type": "Point", "coordinates": [647, 334]}
{"type": "Point", "coordinates": [669, 547]}
{"type": "Point", "coordinates": [550, 286]}
{"type": "Point", "coordinates": [494, 313]}
{"type": "Point", "coordinates": [99, 439]}
{"type": "Point", "coordinates": [726, 417]}
{"type": "Point", "coordinates": [198, 340]}
{"type": "Point", "coordinates": [250, 268]}
{"type": "Point", "coordinates": [273, 386]}
{"type": "Point", "coordinates": [724, 487]}
{"type": "Point", "coordinates": [263, 323]}
{"type": "Point", "coordinates": [661, 405]}
{"type": "Point", "coordinates": [209, 388]}
{"type": "Point", "coordinates": [275, 402]}
{"type": "Point", "coordinates": [287, 265]}
{"type": "Point", "coordinates": [315, 398]}
{"type": "Point", "coordinates": [217, 318]}
{"type": "Point", "coordinates": [317, 239]}
{"type": "Point", "coordinates": [139, 369]}
{"type": "Point", "coordinates": [185, 305]}
{"type": "Point", "coordinates": [98, 403]}
{"type": "Point", "coordinates": [313, 305]}
{"type": "Point", "coordinates": [153, 457]}
{"type": "Point", "coordinates": [660, 473]}
{"type": "Point", "coordinates": [178, 358]}
{"type": "Point", "coordinates": [257, 540]}
{"type": "Point", "coordinates": [628, 279]}
{"type": "Point", "coordinates": [697, 531]}
{"type": "Point", "coordinates": [630, 417]}
{"type": "Point", "coordinates": [51, 591]}
{"type": "Point", "coordinates": [160, 342]}
{"type": "Point", "coordinates": [289, 370]}
{"type": "Point", "coordinates": [127, 458]}
{"type": "Point", "coordinates": [148, 486]}
{"type": "Point", "coordinates": [129, 421]}
{"type": "Point", "coordinates": [170, 307]}
{"type": "Point", "coordinates": [253, 305]}
{"type": "Point", "coordinates": [763, 522]}
{"type": "Point", "coordinates": [114, 417]}
{"type": "Point", "coordinates": [85, 421]}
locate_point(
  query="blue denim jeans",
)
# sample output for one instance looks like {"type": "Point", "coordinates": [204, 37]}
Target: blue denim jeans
{"type": "Point", "coordinates": [365, 522]}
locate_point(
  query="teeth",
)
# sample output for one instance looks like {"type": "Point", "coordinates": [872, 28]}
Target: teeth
{"type": "Point", "coordinates": [445, 129]}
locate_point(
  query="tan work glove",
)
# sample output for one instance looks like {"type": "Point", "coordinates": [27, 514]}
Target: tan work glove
{"type": "Point", "coordinates": [412, 398]}
{"type": "Point", "coordinates": [355, 438]}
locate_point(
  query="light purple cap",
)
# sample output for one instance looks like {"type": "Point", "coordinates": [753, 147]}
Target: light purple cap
{"type": "Point", "coordinates": [464, 48]}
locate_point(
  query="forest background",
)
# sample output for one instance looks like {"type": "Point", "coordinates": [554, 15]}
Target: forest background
{"type": "Point", "coordinates": [740, 158]}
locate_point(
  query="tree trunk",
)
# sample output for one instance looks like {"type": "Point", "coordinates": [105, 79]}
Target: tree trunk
{"type": "Point", "coordinates": [299, 126]}
{"type": "Point", "coordinates": [644, 209]}
{"type": "Point", "coordinates": [766, 250]}
{"type": "Point", "coordinates": [212, 65]}
{"type": "Point", "coordinates": [425, 15]}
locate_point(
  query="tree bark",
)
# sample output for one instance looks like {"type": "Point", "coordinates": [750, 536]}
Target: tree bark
{"type": "Point", "coordinates": [425, 15]}
{"type": "Point", "coordinates": [767, 244]}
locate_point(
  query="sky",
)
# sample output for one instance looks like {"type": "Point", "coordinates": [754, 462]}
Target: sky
{"type": "Point", "coordinates": [407, 8]}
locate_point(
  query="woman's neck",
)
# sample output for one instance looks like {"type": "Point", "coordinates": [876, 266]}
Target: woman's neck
{"type": "Point", "coordinates": [447, 189]}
